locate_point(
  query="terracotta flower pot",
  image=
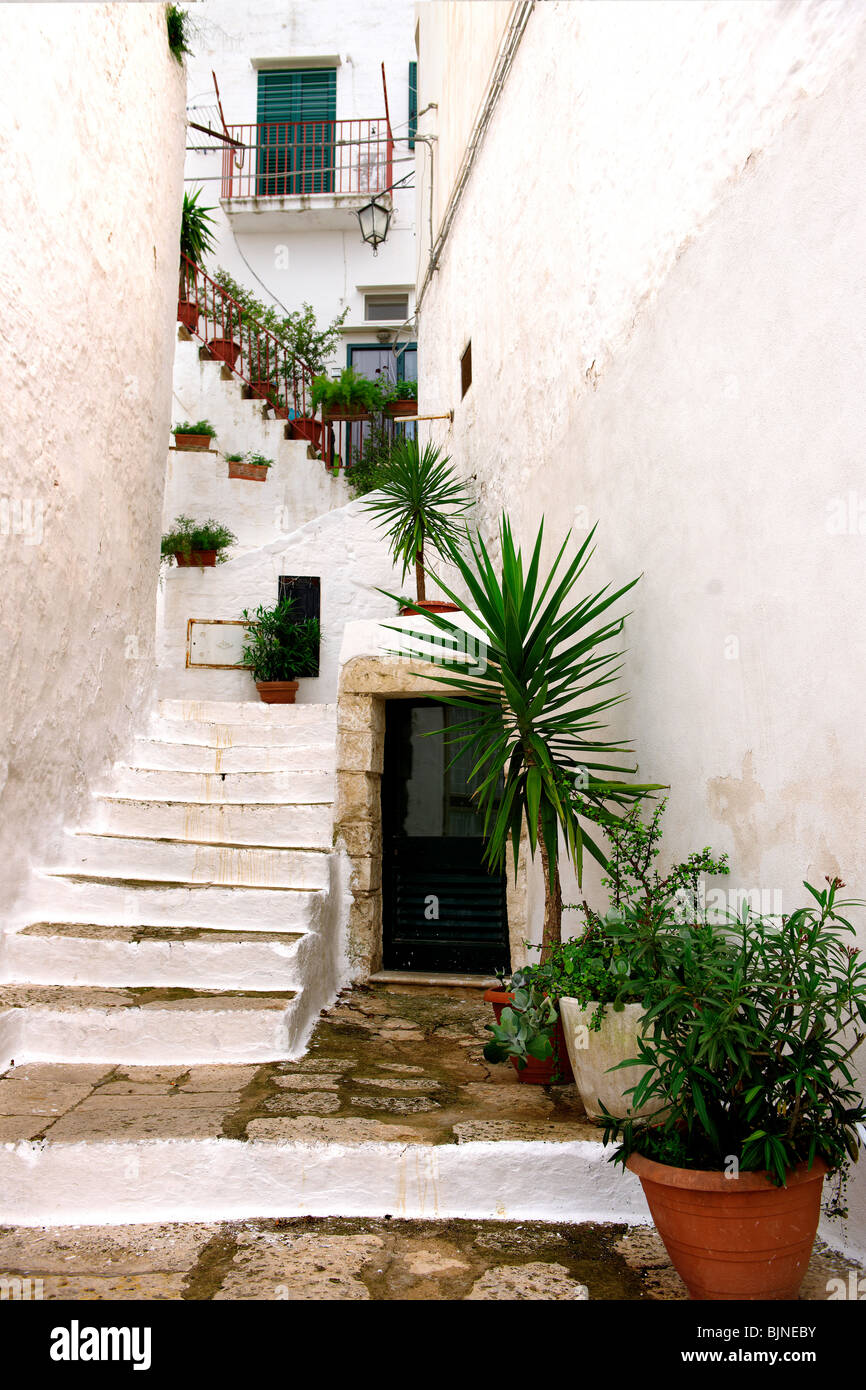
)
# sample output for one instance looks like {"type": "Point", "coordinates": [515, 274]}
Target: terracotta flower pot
{"type": "Point", "coordinates": [187, 313]}
{"type": "Point", "coordinates": [277, 692]}
{"type": "Point", "coordinates": [536, 1073]}
{"type": "Point", "coordinates": [734, 1238]}
{"type": "Point", "coordinates": [193, 442]}
{"type": "Point", "coordinates": [225, 350]}
{"type": "Point", "coordinates": [431, 605]}
{"type": "Point", "coordinates": [593, 1052]}
{"type": "Point", "coordinates": [346, 413]}
{"type": "Point", "coordinates": [303, 427]}
{"type": "Point", "coordinates": [262, 389]}
{"type": "Point", "coordinates": [258, 471]}
{"type": "Point", "coordinates": [396, 409]}
{"type": "Point", "coordinates": [201, 559]}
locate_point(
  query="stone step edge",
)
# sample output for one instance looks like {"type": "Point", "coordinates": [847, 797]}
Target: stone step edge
{"type": "Point", "coordinates": [121, 799]}
{"type": "Point", "coordinates": [150, 934]}
{"type": "Point", "coordinates": [110, 1181]}
{"type": "Point", "coordinates": [125, 836]}
{"type": "Point", "coordinates": [111, 880]}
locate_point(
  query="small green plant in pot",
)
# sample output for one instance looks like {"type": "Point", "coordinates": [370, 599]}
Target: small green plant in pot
{"type": "Point", "coordinates": [280, 648]}
{"type": "Point", "coordinates": [251, 466]}
{"type": "Point", "coordinates": [201, 543]}
{"type": "Point", "coordinates": [193, 436]}
{"type": "Point", "coordinates": [751, 1026]}
{"type": "Point", "coordinates": [347, 396]}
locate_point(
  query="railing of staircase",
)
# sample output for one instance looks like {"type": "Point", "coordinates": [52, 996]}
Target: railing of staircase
{"type": "Point", "coordinates": [253, 353]}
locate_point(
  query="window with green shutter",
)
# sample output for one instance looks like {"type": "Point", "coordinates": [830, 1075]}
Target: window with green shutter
{"type": "Point", "coordinates": [413, 103]}
{"type": "Point", "coordinates": [296, 111]}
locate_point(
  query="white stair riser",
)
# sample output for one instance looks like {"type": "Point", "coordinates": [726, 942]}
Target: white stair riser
{"type": "Point", "coordinates": [198, 964]}
{"type": "Point", "coordinates": [299, 827]}
{"type": "Point", "coordinates": [246, 712]}
{"type": "Point", "coordinates": [223, 908]}
{"type": "Point", "coordinates": [257, 735]}
{"type": "Point", "coordinates": [176, 862]}
{"type": "Point", "coordinates": [191, 757]}
{"type": "Point", "coordinates": [225, 788]}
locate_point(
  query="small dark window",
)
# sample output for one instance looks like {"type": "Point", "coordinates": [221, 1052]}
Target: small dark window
{"type": "Point", "coordinates": [386, 306]}
{"type": "Point", "coordinates": [466, 369]}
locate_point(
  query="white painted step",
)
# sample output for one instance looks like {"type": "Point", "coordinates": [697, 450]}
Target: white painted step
{"type": "Point", "coordinates": [255, 734]}
{"type": "Point", "coordinates": [300, 826]}
{"type": "Point", "coordinates": [226, 788]}
{"type": "Point", "coordinates": [176, 861]}
{"type": "Point", "coordinates": [194, 757]}
{"type": "Point", "coordinates": [194, 958]}
{"type": "Point", "coordinates": [246, 712]}
{"type": "Point", "coordinates": [49, 1023]}
{"type": "Point", "coordinates": [100, 899]}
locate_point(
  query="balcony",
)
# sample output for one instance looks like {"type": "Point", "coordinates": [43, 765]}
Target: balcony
{"type": "Point", "coordinates": [321, 169]}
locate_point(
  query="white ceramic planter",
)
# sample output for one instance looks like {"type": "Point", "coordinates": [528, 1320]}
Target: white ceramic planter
{"type": "Point", "coordinates": [593, 1054]}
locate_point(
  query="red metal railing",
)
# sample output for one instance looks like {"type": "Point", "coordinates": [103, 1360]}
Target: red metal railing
{"type": "Point", "coordinates": [253, 353]}
{"type": "Point", "coordinates": [290, 159]}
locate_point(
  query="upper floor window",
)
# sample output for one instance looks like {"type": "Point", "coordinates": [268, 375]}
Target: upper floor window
{"type": "Point", "coordinates": [393, 307]}
{"type": "Point", "coordinates": [295, 115]}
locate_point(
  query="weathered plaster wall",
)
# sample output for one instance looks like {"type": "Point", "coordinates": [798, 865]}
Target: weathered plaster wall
{"type": "Point", "coordinates": [91, 146]}
{"type": "Point", "coordinates": [659, 263]}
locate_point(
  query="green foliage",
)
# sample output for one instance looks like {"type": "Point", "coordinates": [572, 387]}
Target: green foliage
{"type": "Point", "coordinates": [420, 501]}
{"type": "Point", "coordinates": [177, 24]}
{"type": "Point", "coordinates": [235, 458]}
{"type": "Point", "coordinates": [297, 332]}
{"type": "Point", "coordinates": [399, 391]}
{"type": "Point", "coordinates": [525, 1028]}
{"type": "Point", "coordinates": [347, 392]}
{"type": "Point", "coordinates": [534, 713]}
{"type": "Point", "coordinates": [280, 646]}
{"type": "Point", "coordinates": [187, 536]}
{"type": "Point", "coordinates": [259, 461]}
{"type": "Point", "coordinates": [369, 468]}
{"type": "Point", "coordinates": [196, 228]}
{"type": "Point", "coordinates": [750, 1028]}
{"type": "Point", "coordinates": [200, 427]}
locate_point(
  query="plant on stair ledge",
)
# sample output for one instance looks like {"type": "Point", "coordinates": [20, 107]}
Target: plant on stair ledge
{"type": "Point", "coordinates": [196, 242]}
{"type": "Point", "coordinates": [193, 436]}
{"type": "Point", "coordinates": [279, 649]}
{"type": "Point", "coordinates": [752, 1024]}
{"type": "Point", "coordinates": [199, 543]}
{"type": "Point", "coordinates": [253, 466]}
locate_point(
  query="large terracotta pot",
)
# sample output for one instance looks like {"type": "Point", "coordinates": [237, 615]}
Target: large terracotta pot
{"type": "Point", "coordinates": [187, 313]}
{"type": "Point", "coordinates": [225, 350]}
{"type": "Point", "coordinates": [592, 1054]}
{"type": "Point", "coordinates": [304, 427]}
{"type": "Point", "coordinates": [262, 389]}
{"type": "Point", "coordinates": [431, 605]}
{"type": "Point", "coordinates": [397, 409]}
{"type": "Point", "coordinates": [734, 1238]}
{"type": "Point", "coordinates": [192, 442]}
{"type": "Point", "coordinates": [258, 471]}
{"type": "Point", "coordinates": [277, 692]}
{"type": "Point", "coordinates": [536, 1073]}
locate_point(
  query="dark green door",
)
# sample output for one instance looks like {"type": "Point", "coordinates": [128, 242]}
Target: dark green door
{"type": "Point", "coordinates": [296, 111]}
{"type": "Point", "coordinates": [442, 910]}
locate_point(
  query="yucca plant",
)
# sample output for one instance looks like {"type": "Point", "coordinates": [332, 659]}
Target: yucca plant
{"type": "Point", "coordinates": [420, 500]}
{"type": "Point", "coordinates": [535, 712]}
{"type": "Point", "coordinates": [196, 228]}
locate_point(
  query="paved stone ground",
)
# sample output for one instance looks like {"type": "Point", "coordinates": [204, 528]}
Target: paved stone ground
{"type": "Point", "coordinates": [384, 1065]}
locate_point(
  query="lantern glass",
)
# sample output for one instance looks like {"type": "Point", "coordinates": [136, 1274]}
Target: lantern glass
{"type": "Point", "coordinates": [374, 219]}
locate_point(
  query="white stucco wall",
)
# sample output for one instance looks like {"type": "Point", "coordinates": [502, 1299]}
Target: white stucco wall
{"type": "Point", "coordinates": [659, 264]}
{"type": "Point", "coordinates": [297, 261]}
{"type": "Point", "coordinates": [91, 146]}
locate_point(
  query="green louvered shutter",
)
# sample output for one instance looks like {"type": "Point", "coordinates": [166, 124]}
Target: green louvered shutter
{"type": "Point", "coordinates": [296, 110]}
{"type": "Point", "coordinates": [413, 103]}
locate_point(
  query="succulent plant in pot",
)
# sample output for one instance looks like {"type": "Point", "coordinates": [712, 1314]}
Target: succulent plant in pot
{"type": "Point", "coordinates": [751, 1025]}
{"type": "Point", "coordinates": [280, 648]}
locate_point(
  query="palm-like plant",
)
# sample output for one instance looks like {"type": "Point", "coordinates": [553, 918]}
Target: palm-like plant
{"type": "Point", "coordinates": [534, 713]}
{"type": "Point", "coordinates": [196, 228]}
{"type": "Point", "coordinates": [420, 502]}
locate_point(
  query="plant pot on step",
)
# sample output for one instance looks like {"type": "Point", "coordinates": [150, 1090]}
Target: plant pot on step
{"type": "Point", "coordinates": [277, 692]}
{"type": "Point", "coordinates": [734, 1238]}
{"type": "Point", "coordinates": [225, 350]}
{"type": "Point", "coordinates": [398, 409]}
{"type": "Point", "coordinates": [593, 1052]}
{"type": "Point", "coordinates": [256, 471]}
{"type": "Point", "coordinates": [430, 605]}
{"type": "Point", "coordinates": [193, 442]}
{"type": "Point", "coordinates": [261, 389]}
{"type": "Point", "coordinates": [536, 1072]}
{"type": "Point", "coordinates": [187, 313]}
{"type": "Point", "coordinates": [201, 559]}
{"type": "Point", "coordinates": [304, 427]}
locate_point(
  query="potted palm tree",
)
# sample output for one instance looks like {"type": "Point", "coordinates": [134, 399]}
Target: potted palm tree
{"type": "Point", "coordinates": [751, 1026]}
{"type": "Point", "coordinates": [196, 242]}
{"type": "Point", "coordinates": [280, 648]}
{"type": "Point", "coordinates": [421, 501]}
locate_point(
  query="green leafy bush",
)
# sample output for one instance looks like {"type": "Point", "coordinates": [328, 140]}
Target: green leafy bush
{"type": "Point", "coordinates": [369, 467]}
{"type": "Point", "coordinates": [279, 645]}
{"type": "Point", "coordinates": [347, 392]}
{"type": "Point", "coordinates": [297, 332]}
{"type": "Point", "coordinates": [400, 391]}
{"type": "Point", "coordinates": [187, 536]}
{"type": "Point", "coordinates": [200, 427]}
{"type": "Point", "coordinates": [177, 25]}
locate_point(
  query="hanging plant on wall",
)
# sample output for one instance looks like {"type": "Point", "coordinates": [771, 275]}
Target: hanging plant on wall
{"type": "Point", "coordinates": [177, 25]}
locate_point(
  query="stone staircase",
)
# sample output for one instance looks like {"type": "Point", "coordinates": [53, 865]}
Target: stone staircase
{"type": "Point", "coordinates": [193, 917]}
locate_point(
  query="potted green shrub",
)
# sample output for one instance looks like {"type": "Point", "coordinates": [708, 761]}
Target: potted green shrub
{"type": "Point", "coordinates": [421, 502]}
{"type": "Point", "coordinates": [751, 1026]}
{"type": "Point", "coordinates": [193, 436]}
{"type": "Point", "coordinates": [400, 398]}
{"type": "Point", "coordinates": [280, 648]}
{"type": "Point", "coordinates": [348, 397]}
{"type": "Point", "coordinates": [196, 242]}
{"type": "Point", "coordinates": [528, 1030]}
{"type": "Point", "coordinates": [250, 465]}
{"type": "Point", "coordinates": [199, 543]}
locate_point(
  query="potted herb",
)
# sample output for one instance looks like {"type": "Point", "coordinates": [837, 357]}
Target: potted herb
{"type": "Point", "coordinates": [280, 648]}
{"type": "Point", "coordinates": [196, 542]}
{"type": "Point", "coordinates": [349, 397]}
{"type": "Point", "coordinates": [250, 465]}
{"type": "Point", "coordinates": [401, 398]}
{"type": "Point", "coordinates": [193, 437]}
{"type": "Point", "coordinates": [421, 501]}
{"type": "Point", "coordinates": [196, 242]}
{"type": "Point", "coordinates": [751, 1026]}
